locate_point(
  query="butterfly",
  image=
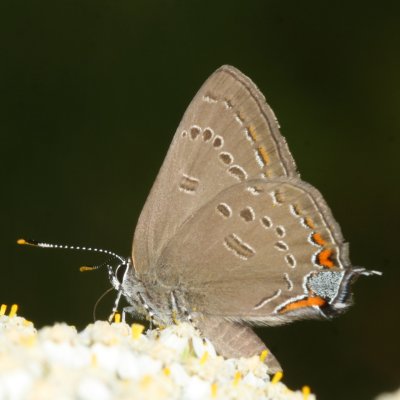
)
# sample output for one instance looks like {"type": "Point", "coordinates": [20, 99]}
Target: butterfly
{"type": "Point", "coordinates": [230, 236]}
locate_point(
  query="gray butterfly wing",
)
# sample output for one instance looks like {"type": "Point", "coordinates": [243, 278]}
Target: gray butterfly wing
{"type": "Point", "coordinates": [244, 255]}
{"type": "Point", "coordinates": [227, 135]}
{"type": "Point", "coordinates": [232, 339]}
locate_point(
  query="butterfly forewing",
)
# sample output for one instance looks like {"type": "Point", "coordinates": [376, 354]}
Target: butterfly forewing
{"type": "Point", "coordinates": [227, 135]}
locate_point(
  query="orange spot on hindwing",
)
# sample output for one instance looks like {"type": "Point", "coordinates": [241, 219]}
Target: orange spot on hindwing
{"type": "Point", "coordinates": [263, 154]}
{"type": "Point", "coordinates": [324, 258]}
{"type": "Point", "coordinates": [252, 132]}
{"type": "Point", "coordinates": [317, 238]}
{"type": "Point", "coordinates": [307, 302]}
{"type": "Point", "coordinates": [309, 222]}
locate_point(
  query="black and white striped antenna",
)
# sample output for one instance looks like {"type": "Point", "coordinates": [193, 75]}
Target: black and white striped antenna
{"type": "Point", "coordinates": [35, 243]}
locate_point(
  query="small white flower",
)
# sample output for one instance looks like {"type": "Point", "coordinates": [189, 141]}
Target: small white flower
{"type": "Point", "coordinates": [136, 366]}
{"type": "Point", "coordinates": [196, 389]}
{"type": "Point", "coordinates": [90, 388]}
{"type": "Point", "coordinates": [251, 380]}
{"type": "Point", "coordinates": [169, 339]}
{"type": "Point", "coordinates": [200, 346]}
{"type": "Point", "coordinates": [15, 385]}
{"type": "Point", "coordinates": [179, 374]}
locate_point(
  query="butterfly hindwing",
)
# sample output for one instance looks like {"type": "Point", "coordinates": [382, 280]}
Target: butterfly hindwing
{"type": "Point", "coordinates": [245, 252]}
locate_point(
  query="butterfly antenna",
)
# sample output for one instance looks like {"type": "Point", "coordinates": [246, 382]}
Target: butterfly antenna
{"type": "Point", "coordinates": [106, 263]}
{"type": "Point", "coordinates": [35, 243]}
{"type": "Point", "coordinates": [367, 272]}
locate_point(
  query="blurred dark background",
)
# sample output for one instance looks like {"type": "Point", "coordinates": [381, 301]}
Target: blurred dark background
{"type": "Point", "coordinates": [91, 93]}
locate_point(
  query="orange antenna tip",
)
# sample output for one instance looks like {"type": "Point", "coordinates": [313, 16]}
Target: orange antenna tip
{"type": "Point", "coordinates": [85, 268]}
{"type": "Point", "coordinates": [28, 242]}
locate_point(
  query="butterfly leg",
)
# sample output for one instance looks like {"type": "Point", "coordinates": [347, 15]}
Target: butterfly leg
{"type": "Point", "coordinates": [149, 311]}
{"type": "Point", "coordinates": [115, 308]}
{"type": "Point", "coordinates": [127, 310]}
{"type": "Point", "coordinates": [174, 308]}
{"type": "Point", "coordinates": [179, 309]}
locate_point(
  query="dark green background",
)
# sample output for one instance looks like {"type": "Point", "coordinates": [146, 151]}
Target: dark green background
{"type": "Point", "coordinates": [91, 93]}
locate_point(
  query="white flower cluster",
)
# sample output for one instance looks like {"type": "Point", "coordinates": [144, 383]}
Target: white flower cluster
{"type": "Point", "coordinates": [390, 396]}
{"type": "Point", "coordinates": [119, 361]}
